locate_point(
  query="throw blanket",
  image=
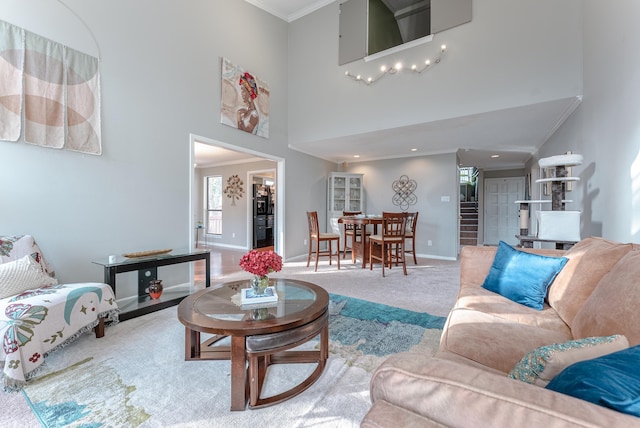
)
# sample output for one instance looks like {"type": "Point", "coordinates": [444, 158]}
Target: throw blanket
{"type": "Point", "coordinates": [37, 322]}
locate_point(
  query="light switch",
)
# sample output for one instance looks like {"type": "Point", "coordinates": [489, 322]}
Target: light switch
{"type": "Point", "coordinates": [445, 199]}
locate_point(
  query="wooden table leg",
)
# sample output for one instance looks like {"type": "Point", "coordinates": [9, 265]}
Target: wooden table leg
{"type": "Point", "coordinates": [238, 373]}
{"type": "Point", "coordinates": [324, 344]}
{"type": "Point", "coordinates": [191, 344]}
{"type": "Point", "coordinates": [365, 251]}
{"type": "Point", "coordinates": [359, 249]}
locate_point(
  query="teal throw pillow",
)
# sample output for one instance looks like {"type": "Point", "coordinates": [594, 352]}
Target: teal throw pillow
{"type": "Point", "coordinates": [522, 277]}
{"type": "Point", "coordinates": [611, 381]}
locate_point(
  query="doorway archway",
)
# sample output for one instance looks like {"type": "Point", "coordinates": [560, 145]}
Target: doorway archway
{"type": "Point", "coordinates": [280, 165]}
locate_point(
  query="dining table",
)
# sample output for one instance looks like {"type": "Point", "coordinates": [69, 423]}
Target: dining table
{"type": "Point", "coordinates": [360, 247]}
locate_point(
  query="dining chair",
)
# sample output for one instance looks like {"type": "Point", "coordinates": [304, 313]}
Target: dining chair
{"type": "Point", "coordinates": [390, 242]}
{"type": "Point", "coordinates": [410, 233]}
{"type": "Point", "coordinates": [316, 237]}
{"type": "Point", "coordinates": [351, 231]}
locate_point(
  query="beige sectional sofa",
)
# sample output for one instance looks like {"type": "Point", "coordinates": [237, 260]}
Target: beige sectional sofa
{"type": "Point", "coordinates": [467, 383]}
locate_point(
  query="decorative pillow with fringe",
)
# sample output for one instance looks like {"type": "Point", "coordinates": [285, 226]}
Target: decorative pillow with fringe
{"type": "Point", "coordinates": [544, 363]}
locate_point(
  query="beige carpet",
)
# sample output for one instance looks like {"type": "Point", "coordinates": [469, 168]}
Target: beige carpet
{"type": "Point", "coordinates": [431, 287]}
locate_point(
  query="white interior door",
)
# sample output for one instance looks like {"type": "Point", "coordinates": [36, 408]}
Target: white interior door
{"type": "Point", "coordinates": [500, 210]}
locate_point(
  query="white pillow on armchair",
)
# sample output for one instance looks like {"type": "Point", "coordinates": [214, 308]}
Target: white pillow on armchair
{"type": "Point", "coordinates": [22, 275]}
{"type": "Point", "coordinates": [17, 246]}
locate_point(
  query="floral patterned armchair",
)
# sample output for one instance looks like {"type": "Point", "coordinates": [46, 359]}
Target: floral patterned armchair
{"type": "Point", "coordinates": [38, 315]}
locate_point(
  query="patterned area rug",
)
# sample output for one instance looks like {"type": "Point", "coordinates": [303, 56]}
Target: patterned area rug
{"type": "Point", "coordinates": [136, 375]}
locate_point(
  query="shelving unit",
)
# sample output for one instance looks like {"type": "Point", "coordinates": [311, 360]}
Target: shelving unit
{"type": "Point", "coordinates": [560, 168]}
{"type": "Point", "coordinates": [147, 268]}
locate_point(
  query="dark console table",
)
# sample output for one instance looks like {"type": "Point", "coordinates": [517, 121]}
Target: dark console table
{"type": "Point", "coordinates": [147, 271]}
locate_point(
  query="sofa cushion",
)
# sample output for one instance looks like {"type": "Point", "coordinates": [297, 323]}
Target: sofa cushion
{"type": "Point", "coordinates": [612, 381]}
{"type": "Point", "coordinates": [522, 277]}
{"type": "Point", "coordinates": [544, 363]}
{"type": "Point", "coordinates": [21, 275]}
{"type": "Point", "coordinates": [494, 341]}
{"type": "Point", "coordinates": [482, 300]}
{"type": "Point", "coordinates": [613, 306]}
{"type": "Point", "coordinates": [589, 260]}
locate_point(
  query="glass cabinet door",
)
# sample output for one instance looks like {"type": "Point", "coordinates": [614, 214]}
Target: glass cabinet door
{"type": "Point", "coordinates": [344, 193]}
{"type": "Point", "coordinates": [355, 191]}
{"type": "Point", "coordinates": [339, 194]}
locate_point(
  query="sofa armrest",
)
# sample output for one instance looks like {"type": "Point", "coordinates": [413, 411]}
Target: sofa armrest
{"type": "Point", "coordinates": [457, 395]}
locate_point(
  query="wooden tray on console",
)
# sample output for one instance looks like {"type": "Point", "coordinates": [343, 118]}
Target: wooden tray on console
{"type": "Point", "coordinates": [147, 253]}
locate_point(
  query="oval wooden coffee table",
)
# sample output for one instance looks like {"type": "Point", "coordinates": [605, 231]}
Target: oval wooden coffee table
{"type": "Point", "coordinates": [260, 336]}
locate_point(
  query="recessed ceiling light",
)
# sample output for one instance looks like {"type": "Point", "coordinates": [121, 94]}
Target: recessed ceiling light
{"type": "Point", "coordinates": [414, 150]}
{"type": "Point", "coordinates": [356, 156]}
{"type": "Point", "coordinates": [495, 156]}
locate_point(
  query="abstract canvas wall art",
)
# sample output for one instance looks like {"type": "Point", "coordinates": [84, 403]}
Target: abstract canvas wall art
{"type": "Point", "coordinates": [11, 68]}
{"type": "Point", "coordinates": [244, 100]}
{"type": "Point", "coordinates": [61, 89]}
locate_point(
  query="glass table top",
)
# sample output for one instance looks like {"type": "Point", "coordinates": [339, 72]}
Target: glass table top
{"type": "Point", "coordinates": [122, 260]}
{"type": "Point", "coordinates": [224, 303]}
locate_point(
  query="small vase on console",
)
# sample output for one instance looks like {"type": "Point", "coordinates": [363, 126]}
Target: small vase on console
{"type": "Point", "coordinates": [155, 288]}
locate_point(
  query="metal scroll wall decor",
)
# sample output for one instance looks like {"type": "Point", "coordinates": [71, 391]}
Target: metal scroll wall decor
{"type": "Point", "coordinates": [403, 195]}
{"type": "Point", "coordinates": [234, 188]}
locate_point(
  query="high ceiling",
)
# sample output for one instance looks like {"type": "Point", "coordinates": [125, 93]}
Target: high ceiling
{"type": "Point", "coordinates": [512, 134]}
{"type": "Point", "coordinates": [495, 140]}
{"type": "Point", "coordinates": [206, 155]}
{"type": "Point", "coordinates": [290, 10]}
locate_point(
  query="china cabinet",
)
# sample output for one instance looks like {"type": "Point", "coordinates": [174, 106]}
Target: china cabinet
{"type": "Point", "coordinates": [345, 192]}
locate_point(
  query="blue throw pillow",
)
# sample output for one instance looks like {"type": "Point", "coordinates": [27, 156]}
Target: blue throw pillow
{"type": "Point", "coordinates": [522, 277]}
{"type": "Point", "coordinates": [612, 381]}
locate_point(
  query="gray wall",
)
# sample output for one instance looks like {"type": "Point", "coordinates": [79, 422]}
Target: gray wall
{"type": "Point", "coordinates": [605, 128]}
{"type": "Point", "coordinates": [235, 218]}
{"type": "Point", "coordinates": [510, 54]}
{"type": "Point", "coordinates": [160, 76]}
{"type": "Point", "coordinates": [160, 82]}
{"type": "Point", "coordinates": [503, 173]}
{"type": "Point", "coordinates": [436, 177]}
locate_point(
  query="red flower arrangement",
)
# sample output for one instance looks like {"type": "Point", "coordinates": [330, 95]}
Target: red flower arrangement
{"type": "Point", "coordinates": [261, 263]}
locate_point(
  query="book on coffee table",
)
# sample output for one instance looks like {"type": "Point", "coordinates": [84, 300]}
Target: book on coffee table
{"type": "Point", "coordinates": [250, 298]}
{"type": "Point", "coordinates": [263, 305]}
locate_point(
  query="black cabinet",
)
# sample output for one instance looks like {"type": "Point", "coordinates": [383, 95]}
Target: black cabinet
{"type": "Point", "coordinates": [147, 266]}
{"type": "Point", "coordinates": [263, 221]}
{"type": "Point", "coordinates": [262, 231]}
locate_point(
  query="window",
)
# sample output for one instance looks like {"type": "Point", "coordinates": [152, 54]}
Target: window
{"type": "Point", "coordinates": [467, 175]}
{"type": "Point", "coordinates": [214, 205]}
{"type": "Point", "coordinates": [468, 181]}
